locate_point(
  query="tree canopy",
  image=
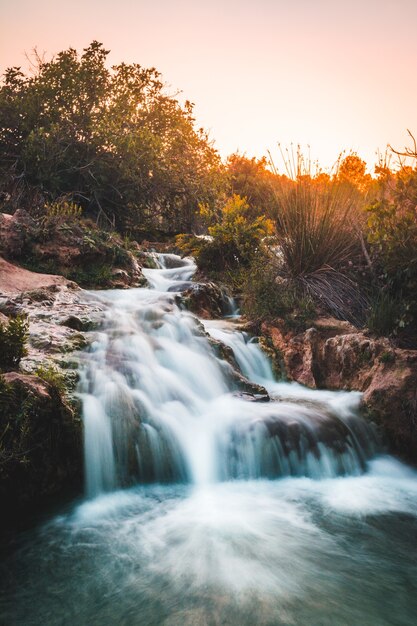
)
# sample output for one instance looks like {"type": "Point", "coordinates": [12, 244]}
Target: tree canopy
{"type": "Point", "coordinates": [111, 139]}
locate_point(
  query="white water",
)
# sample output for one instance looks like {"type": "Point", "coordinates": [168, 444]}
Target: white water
{"type": "Point", "coordinates": [155, 393]}
{"type": "Point", "coordinates": [239, 513]}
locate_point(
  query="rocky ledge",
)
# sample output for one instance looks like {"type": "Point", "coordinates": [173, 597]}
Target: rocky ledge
{"type": "Point", "coordinates": [335, 355]}
{"type": "Point", "coordinates": [40, 426]}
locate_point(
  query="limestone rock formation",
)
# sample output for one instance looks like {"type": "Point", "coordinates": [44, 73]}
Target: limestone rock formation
{"type": "Point", "coordinates": [335, 355]}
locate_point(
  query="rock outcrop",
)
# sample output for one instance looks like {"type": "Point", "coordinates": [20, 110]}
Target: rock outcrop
{"type": "Point", "coordinates": [335, 355]}
{"type": "Point", "coordinates": [14, 279]}
{"type": "Point", "coordinates": [73, 248]}
{"type": "Point", "coordinates": [40, 425]}
{"type": "Point", "coordinates": [41, 444]}
{"type": "Point", "coordinates": [207, 300]}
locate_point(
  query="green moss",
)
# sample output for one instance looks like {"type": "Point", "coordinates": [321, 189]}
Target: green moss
{"type": "Point", "coordinates": [275, 356]}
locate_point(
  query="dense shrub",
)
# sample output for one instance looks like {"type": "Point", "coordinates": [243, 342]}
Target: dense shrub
{"type": "Point", "coordinates": [234, 240]}
{"type": "Point", "coordinates": [392, 235]}
{"type": "Point", "coordinates": [53, 376]}
{"type": "Point", "coordinates": [266, 296]}
{"type": "Point", "coordinates": [111, 139]}
{"type": "Point", "coordinates": [40, 446]}
{"type": "Point", "coordinates": [386, 314]}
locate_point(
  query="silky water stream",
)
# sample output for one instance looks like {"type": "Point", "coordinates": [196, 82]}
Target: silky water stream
{"type": "Point", "coordinates": [205, 507]}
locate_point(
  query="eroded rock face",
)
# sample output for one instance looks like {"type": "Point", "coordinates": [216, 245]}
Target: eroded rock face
{"type": "Point", "coordinates": [335, 355]}
{"type": "Point", "coordinates": [41, 447]}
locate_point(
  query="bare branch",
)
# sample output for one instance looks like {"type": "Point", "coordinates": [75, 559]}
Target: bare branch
{"type": "Point", "coordinates": [408, 152]}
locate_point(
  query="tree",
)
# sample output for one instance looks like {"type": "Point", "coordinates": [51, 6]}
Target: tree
{"type": "Point", "coordinates": [111, 139]}
{"type": "Point", "coordinates": [251, 179]}
{"type": "Point", "coordinates": [352, 170]}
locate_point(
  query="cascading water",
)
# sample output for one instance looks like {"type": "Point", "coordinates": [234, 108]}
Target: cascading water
{"type": "Point", "coordinates": [155, 393]}
{"type": "Point", "coordinates": [206, 506]}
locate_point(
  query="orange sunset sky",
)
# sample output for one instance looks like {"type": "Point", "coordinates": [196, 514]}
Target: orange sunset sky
{"type": "Point", "coordinates": [332, 74]}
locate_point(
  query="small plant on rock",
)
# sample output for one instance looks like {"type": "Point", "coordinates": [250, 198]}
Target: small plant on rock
{"type": "Point", "coordinates": [13, 339]}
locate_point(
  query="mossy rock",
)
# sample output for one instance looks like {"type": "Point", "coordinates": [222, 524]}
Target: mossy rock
{"type": "Point", "coordinates": [41, 449]}
{"type": "Point", "coordinates": [275, 357]}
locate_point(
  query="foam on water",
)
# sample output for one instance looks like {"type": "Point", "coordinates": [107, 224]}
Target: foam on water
{"type": "Point", "coordinates": [153, 375]}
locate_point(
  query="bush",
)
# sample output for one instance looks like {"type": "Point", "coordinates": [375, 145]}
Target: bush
{"type": "Point", "coordinates": [13, 339]}
{"type": "Point", "coordinates": [190, 245]}
{"type": "Point", "coordinates": [267, 297]}
{"type": "Point", "coordinates": [392, 234]}
{"type": "Point", "coordinates": [234, 240]}
{"type": "Point", "coordinates": [93, 277]}
{"type": "Point", "coordinates": [318, 244]}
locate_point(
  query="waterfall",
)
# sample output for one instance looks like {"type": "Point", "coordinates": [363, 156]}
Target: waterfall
{"type": "Point", "coordinates": [160, 405]}
{"type": "Point", "coordinates": [207, 506]}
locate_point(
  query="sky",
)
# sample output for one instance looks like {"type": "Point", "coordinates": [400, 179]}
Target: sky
{"type": "Point", "coordinates": [332, 75]}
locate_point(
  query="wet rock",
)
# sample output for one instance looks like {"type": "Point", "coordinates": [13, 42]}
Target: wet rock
{"type": "Point", "coordinates": [322, 358]}
{"type": "Point", "coordinates": [241, 383]}
{"type": "Point", "coordinates": [207, 300]}
{"type": "Point", "coordinates": [222, 351]}
{"type": "Point", "coordinates": [252, 397]}
{"type": "Point", "coordinates": [172, 261]}
{"type": "Point", "coordinates": [78, 323]}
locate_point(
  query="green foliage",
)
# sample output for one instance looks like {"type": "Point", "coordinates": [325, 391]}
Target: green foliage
{"type": "Point", "coordinates": [387, 315]}
{"type": "Point", "coordinates": [111, 140]}
{"type": "Point", "coordinates": [387, 357]}
{"type": "Point", "coordinates": [392, 235]}
{"type": "Point", "coordinates": [8, 398]}
{"type": "Point", "coordinates": [40, 443]}
{"type": "Point", "coordinates": [95, 276]}
{"type": "Point", "coordinates": [63, 209]}
{"type": "Point", "coordinates": [189, 245]}
{"type": "Point", "coordinates": [267, 297]}
{"type": "Point", "coordinates": [314, 227]}
{"type": "Point", "coordinates": [251, 179]}
{"type": "Point", "coordinates": [13, 339]}
{"type": "Point", "coordinates": [50, 374]}
{"type": "Point", "coordinates": [234, 241]}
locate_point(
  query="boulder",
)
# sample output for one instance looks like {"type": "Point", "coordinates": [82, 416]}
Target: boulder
{"type": "Point", "coordinates": [15, 231]}
{"type": "Point", "coordinates": [207, 300]}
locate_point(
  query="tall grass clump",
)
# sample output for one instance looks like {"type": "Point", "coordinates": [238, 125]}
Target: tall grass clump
{"type": "Point", "coordinates": [318, 245]}
{"type": "Point", "coordinates": [385, 313]}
